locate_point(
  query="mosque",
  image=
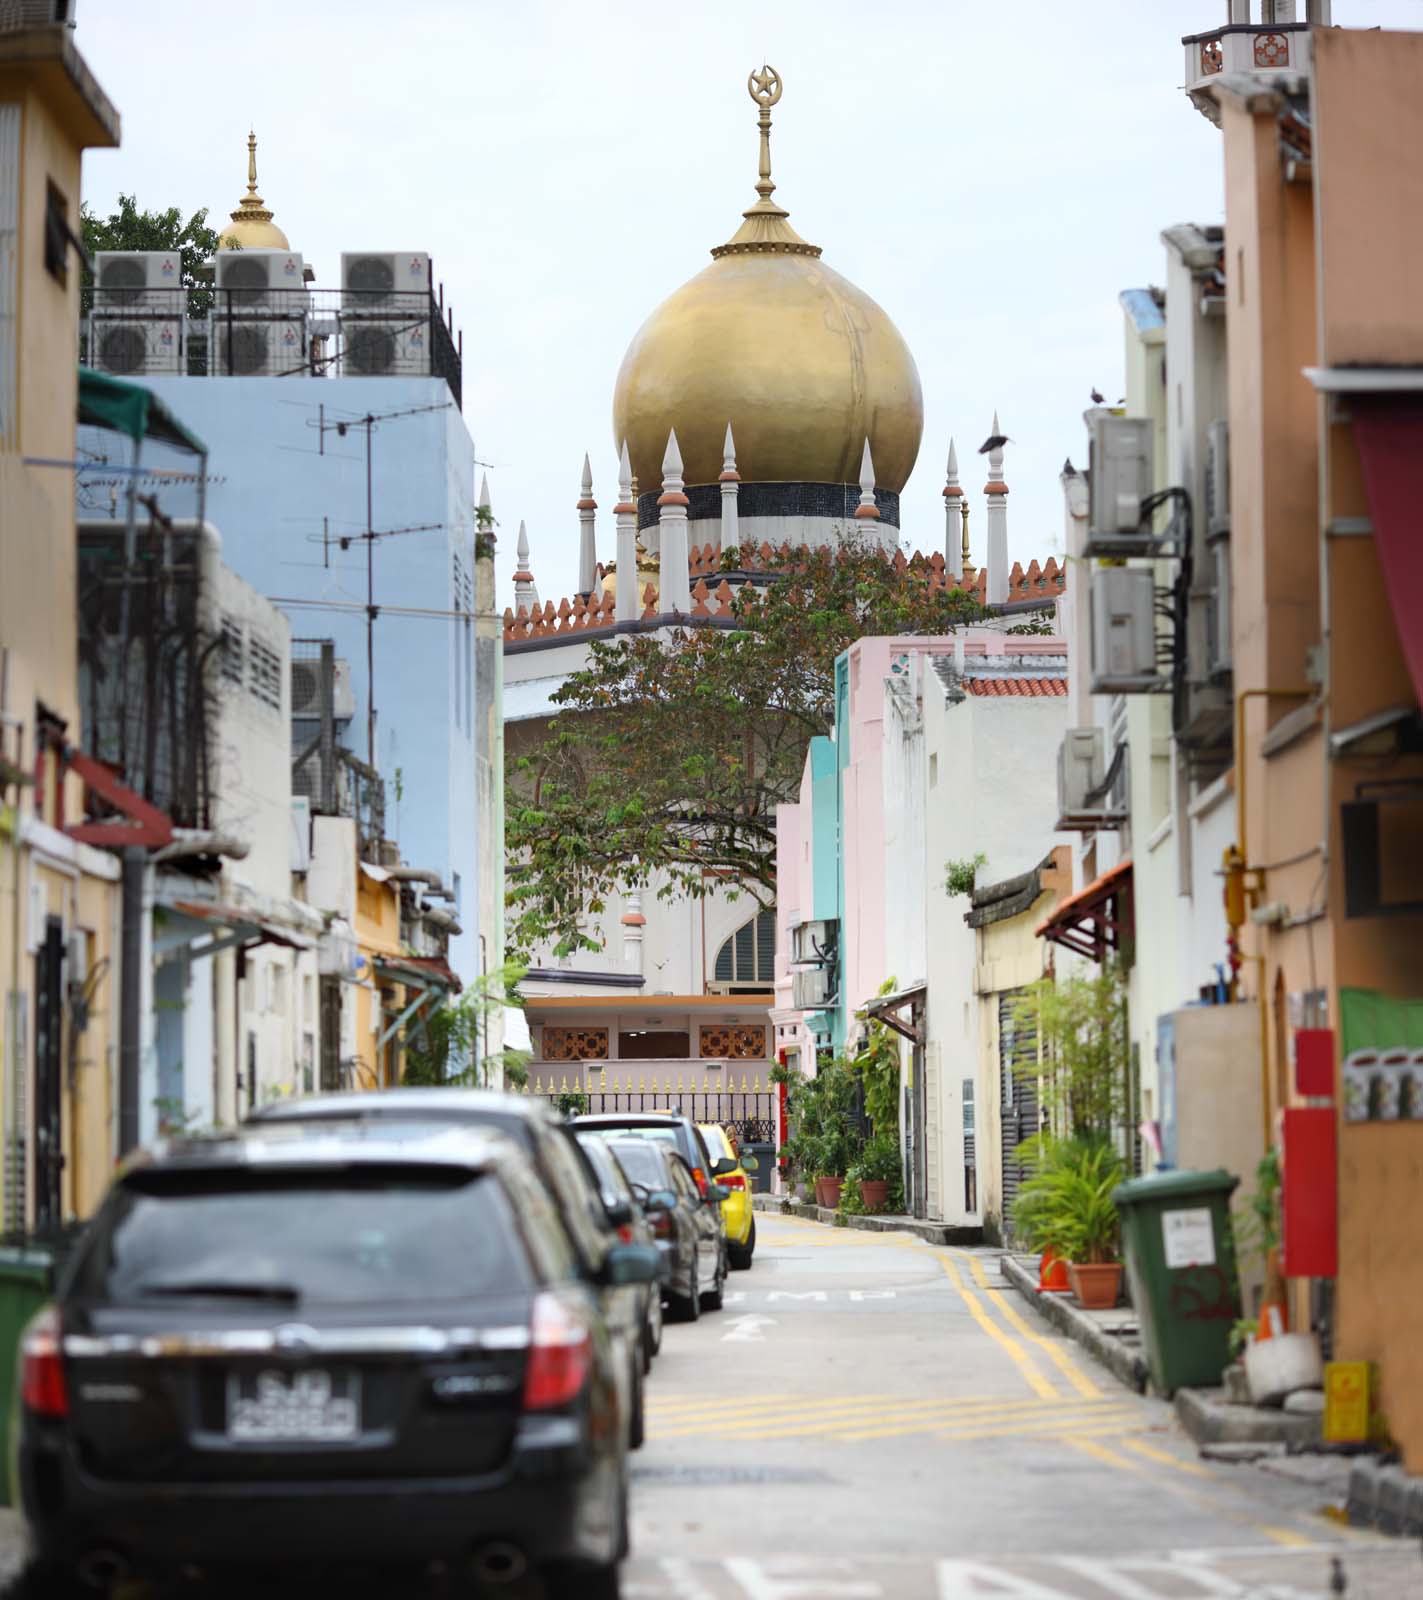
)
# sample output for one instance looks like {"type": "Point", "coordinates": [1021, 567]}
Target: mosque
{"type": "Point", "coordinates": [767, 404]}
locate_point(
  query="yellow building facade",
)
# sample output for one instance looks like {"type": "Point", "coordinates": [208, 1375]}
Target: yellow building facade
{"type": "Point", "coordinates": [60, 956]}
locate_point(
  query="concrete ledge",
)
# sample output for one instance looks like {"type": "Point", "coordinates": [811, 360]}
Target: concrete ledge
{"type": "Point", "coordinates": [931, 1232]}
{"type": "Point", "coordinates": [1119, 1358]}
{"type": "Point", "coordinates": [1210, 1418]}
{"type": "Point", "coordinates": [1383, 1496]}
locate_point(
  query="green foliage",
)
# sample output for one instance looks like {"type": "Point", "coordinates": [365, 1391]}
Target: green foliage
{"type": "Point", "coordinates": [1257, 1226]}
{"type": "Point", "coordinates": [671, 750]}
{"type": "Point", "coordinates": [128, 228]}
{"type": "Point", "coordinates": [1081, 1025]}
{"type": "Point", "coordinates": [1242, 1331]}
{"type": "Point", "coordinates": [877, 1162]}
{"type": "Point", "coordinates": [572, 1104]}
{"type": "Point", "coordinates": [1065, 1204]}
{"type": "Point", "coordinates": [1038, 622]}
{"type": "Point", "coordinates": [823, 1114]}
{"type": "Point", "coordinates": [960, 875]}
{"type": "Point", "coordinates": [442, 1051]}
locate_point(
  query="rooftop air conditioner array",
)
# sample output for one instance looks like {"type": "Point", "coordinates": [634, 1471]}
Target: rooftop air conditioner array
{"type": "Point", "coordinates": [259, 314]}
{"type": "Point", "coordinates": [137, 327]}
{"type": "Point", "coordinates": [386, 314]}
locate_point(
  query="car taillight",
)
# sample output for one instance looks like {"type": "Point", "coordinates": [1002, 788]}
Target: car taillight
{"type": "Point", "coordinates": [701, 1178]}
{"type": "Point", "coordinates": [42, 1386]}
{"type": "Point", "coordinates": [625, 1233]}
{"type": "Point", "coordinates": [733, 1180]}
{"type": "Point", "coordinates": [661, 1224]}
{"type": "Point", "coordinates": [560, 1356]}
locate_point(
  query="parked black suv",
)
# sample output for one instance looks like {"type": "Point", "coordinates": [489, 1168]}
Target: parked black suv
{"type": "Point", "coordinates": [358, 1349]}
{"type": "Point", "coordinates": [560, 1161]}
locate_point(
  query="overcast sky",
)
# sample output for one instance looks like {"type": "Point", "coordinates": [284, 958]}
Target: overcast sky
{"type": "Point", "coordinates": [992, 174]}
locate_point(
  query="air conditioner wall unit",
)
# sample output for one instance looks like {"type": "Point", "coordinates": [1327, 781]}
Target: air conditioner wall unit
{"type": "Point", "coordinates": [259, 283]}
{"type": "Point", "coordinates": [138, 282]}
{"type": "Point", "coordinates": [1122, 601]}
{"type": "Point", "coordinates": [813, 941]}
{"type": "Point", "coordinates": [1218, 621]}
{"type": "Point", "coordinates": [1122, 475]}
{"type": "Point", "coordinates": [379, 282]}
{"type": "Point", "coordinates": [253, 347]}
{"type": "Point", "coordinates": [1217, 493]}
{"type": "Point", "coordinates": [812, 989]}
{"type": "Point", "coordinates": [309, 783]}
{"type": "Point", "coordinates": [136, 347]}
{"type": "Point", "coordinates": [1081, 764]}
{"type": "Point", "coordinates": [389, 349]}
{"type": "Point", "coordinates": [306, 691]}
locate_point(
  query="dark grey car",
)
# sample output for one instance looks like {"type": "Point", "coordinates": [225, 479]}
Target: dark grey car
{"type": "Point", "coordinates": [686, 1226]}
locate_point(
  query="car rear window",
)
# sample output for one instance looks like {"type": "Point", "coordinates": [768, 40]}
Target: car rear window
{"type": "Point", "coordinates": [317, 1238]}
{"type": "Point", "coordinates": [718, 1146]}
{"type": "Point", "coordinates": [641, 1162]}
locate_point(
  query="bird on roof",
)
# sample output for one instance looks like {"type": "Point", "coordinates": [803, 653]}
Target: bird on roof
{"type": "Point", "coordinates": [1096, 397]}
{"type": "Point", "coordinates": [1068, 470]}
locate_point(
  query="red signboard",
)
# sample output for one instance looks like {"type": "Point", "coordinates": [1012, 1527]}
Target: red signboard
{"type": "Point", "coordinates": [1314, 1061]}
{"type": "Point", "coordinates": [1310, 1202]}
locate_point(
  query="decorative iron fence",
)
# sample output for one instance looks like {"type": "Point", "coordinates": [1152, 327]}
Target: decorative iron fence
{"type": "Point", "coordinates": [742, 1102]}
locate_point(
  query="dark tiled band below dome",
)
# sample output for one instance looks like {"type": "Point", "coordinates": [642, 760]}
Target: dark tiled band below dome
{"type": "Point", "coordinates": [830, 500]}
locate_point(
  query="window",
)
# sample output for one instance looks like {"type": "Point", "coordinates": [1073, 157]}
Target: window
{"type": "Point", "coordinates": [232, 653]}
{"type": "Point", "coordinates": [56, 236]}
{"type": "Point", "coordinates": [264, 680]}
{"type": "Point", "coordinates": [748, 958]}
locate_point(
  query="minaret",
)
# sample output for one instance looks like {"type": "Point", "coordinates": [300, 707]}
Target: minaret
{"type": "Point", "coordinates": [867, 510]}
{"type": "Point", "coordinates": [526, 594]}
{"type": "Point", "coordinates": [953, 498]}
{"type": "Point", "coordinates": [996, 510]}
{"type": "Point", "coordinates": [629, 602]}
{"type": "Point", "coordinates": [587, 535]}
{"type": "Point", "coordinates": [730, 477]}
{"type": "Point", "coordinates": [674, 580]}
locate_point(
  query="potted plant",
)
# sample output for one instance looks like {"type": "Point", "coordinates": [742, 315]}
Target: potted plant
{"type": "Point", "coordinates": [876, 1170]}
{"type": "Point", "coordinates": [836, 1155]}
{"type": "Point", "coordinates": [1066, 1206]}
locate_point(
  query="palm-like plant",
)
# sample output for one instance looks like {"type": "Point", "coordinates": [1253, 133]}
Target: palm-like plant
{"type": "Point", "coordinates": [1066, 1204]}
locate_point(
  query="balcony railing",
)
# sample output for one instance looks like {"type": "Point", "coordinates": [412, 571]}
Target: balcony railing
{"type": "Point", "coordinates": [170, 331]}
{"type": "Point", "coordinates": [1251, 47]}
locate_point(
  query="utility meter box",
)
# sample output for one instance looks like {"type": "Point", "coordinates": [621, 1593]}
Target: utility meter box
{"type": "Point", "coordinates": [1121, 477]}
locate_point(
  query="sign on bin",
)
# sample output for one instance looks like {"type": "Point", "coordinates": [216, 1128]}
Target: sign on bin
{"type": "Point", "coordinates": [1188, 1238]}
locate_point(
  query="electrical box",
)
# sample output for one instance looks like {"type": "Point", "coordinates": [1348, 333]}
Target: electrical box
{"type": "Point", "coordinates": [1122, 601]}
{"type": "Point", "coordinates": [1122, 475]}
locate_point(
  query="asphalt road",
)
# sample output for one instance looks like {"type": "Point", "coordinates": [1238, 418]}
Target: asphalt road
{"type": "Point", "coordinates": [871, 1416]}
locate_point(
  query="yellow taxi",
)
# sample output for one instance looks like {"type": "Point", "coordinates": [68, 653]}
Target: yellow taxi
{"type": "Point", "coordinates": [736, 1213]}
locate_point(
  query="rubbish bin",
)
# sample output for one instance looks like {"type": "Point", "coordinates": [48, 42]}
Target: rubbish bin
{"type": "Point", "coordinates": [1180, 1261]}
{"type": "Point", "coordinates": [764, 1153]}
{"type": "Point", "coordinates": [27, 1270]}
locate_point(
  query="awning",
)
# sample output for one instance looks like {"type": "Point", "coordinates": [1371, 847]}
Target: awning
{"type": "Point", "coordinates": [424, 971]}
{"type": "Point", "coordinates": [1096, 920]}
{"type": "Point", "coordinates": [227, 926]}
{"type": "Point", "coordinates": [889, 1009]}
{"type": "Point", "coordinates": [106, 402]}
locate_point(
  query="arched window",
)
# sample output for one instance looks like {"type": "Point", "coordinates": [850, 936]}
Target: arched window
{"type": "Point", "coordinates": [748, 958]}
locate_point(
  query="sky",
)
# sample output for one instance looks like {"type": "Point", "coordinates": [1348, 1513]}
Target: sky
{"type": "Point", "coordinates": [992, 174]}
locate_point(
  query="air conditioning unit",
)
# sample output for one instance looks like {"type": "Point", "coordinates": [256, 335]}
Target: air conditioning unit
{"type": "Point", "coordinates": [1081, 763]}
{"type": "Point", "coordinates": [377, 284]}
{"type": "Point", "coordinates": [385, 315]}
{"type": "Point", "coordinates": [248, 347]}
{"type": "Point", "coordinates": [812, 989]}
{"type": "Point", "coordinates": [309, 783]}
{"type": "Point", "coordinates": [1218, 651]}
{"type": "Point", "coordinates": [135, 282]}
{"type": "Point", "coordinates": [306, 691]}
{"type": "Point", "coordinates": [1217, 479]}
{"type": "Point", "coordinates": [1122, 602]}
{"type": "Point", "coordinates": [1122, 475]}
{"type": "Point", "coordinates": [137, 327]}
{"type": "Point", "coordinates": [813, 941]}
{"type": "Point", "coordinates": [257, 283]}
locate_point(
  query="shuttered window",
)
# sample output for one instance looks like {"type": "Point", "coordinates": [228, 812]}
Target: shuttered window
{"type": "Point", "coordinates": [748, 957]}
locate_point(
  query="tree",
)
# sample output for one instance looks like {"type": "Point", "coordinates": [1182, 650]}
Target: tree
{"type": "Point", "coordinates": [672, 749]}
{"type": "Point", "coordinates": [1081, 1024]}
{"type": "Point", "coordinates": [128, 228]}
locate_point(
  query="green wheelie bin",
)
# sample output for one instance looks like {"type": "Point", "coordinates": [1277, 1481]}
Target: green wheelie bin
{"type": "Point", "coordinates": [1180, 1261]}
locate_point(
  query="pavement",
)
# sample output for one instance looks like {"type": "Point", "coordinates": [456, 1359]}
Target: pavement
{"type": "Point", "coordinates": [872, 1415]}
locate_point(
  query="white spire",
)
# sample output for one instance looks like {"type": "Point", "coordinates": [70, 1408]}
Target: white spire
{"type": "Point", "coordinates": [674, 578]}
{"type": "Point", "coordinates": [730, 494]}
{"type": "Point", "coordinates": [629, 601]}
{"type": "Point", "coordinates": [996, 519]}
{"type": "Point", "coordinates": [587, 533]}
{"type": "Point", "coordinates": [953, 500]}
{"type": "Point", "coordinates": [867, 509]}
{"type": "Point", "coordinates": [484, 501]}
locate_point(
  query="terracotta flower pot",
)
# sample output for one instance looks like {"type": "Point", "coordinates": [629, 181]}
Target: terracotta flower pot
{"type": "Point", "coordinates": [1096, 1284]}
{"type": "Point", "coordinates": [1052, 1273]}
{"type": "Point", "coordinates": [829, 1191]}
{"type": "Point", "coordinates": [874, 1192]}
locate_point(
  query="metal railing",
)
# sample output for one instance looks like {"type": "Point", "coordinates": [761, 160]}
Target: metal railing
{"type": "Point", "coordinates": [278, 332]}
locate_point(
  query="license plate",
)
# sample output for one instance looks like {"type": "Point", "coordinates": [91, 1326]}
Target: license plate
{"type": "Point", "coordinates": [282, 1407]}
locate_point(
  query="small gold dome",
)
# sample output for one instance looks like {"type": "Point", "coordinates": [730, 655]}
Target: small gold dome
{"type": "Point", "coordinates": [647, 576]}
{"type": "Point", "coordinates": [252, 227]}
{"type": "Point", "coordinates": [802, 364]}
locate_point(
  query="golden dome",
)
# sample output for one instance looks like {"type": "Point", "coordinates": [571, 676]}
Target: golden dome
{"type": "Point", "coordinates": [647, 576]}
{"type": "Point", "coordinates": [802, 364]}
{"type": "Point", "coordinates": [252, 227]}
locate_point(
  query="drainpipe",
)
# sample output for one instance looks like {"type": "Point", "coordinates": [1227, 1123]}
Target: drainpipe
{"type": "Point", "coordinates": [135, 868]}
